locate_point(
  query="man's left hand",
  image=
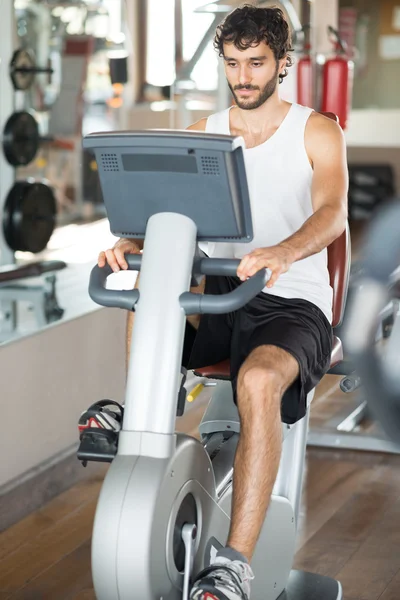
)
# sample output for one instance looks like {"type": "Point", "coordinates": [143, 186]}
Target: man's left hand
{"type": "Point", "coordinates": [278, 259]}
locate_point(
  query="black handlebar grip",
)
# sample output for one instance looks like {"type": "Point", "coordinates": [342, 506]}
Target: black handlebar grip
{"type": "Point", "coordinates": [224, 303]}
{"type": "Point", "coordinates": [114, 298]}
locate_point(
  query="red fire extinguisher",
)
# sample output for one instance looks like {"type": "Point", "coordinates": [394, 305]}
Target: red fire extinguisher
{"type": "Point", "coordinates": [337, 88]}
{"type": "Point", "coordinates": [304, 79]}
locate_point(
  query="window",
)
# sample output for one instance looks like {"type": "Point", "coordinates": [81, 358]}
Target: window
{"type": "Point", "coordinates": [160, 66]}
{"type": "Point", "coordinates": [194, 27]}
{"type": "Point", "coordinates": [161, 43]}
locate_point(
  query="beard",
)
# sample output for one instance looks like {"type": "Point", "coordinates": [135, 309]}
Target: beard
{"type": "Point", "coordinates": [265, 93]}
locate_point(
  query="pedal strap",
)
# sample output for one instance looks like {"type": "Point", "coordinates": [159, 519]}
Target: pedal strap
{"type": "Point", "coordinates": [106, 402]}
{"type": "Point", "coordinates": [100, 404]}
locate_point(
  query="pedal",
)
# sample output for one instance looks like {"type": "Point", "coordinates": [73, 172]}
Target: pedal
{"type": "Point", "coordinates": [98, 445]}
{"type": "Point", "coordinates": [99, 428]}
{"type": "Point", "coordinates": [189, 532]}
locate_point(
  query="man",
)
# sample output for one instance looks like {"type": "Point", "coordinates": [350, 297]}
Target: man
{"type": "Point", "coordinates": [280, 343]}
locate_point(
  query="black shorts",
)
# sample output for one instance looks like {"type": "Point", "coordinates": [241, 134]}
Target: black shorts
{"type": "Point", "coordinates": [297, 326]}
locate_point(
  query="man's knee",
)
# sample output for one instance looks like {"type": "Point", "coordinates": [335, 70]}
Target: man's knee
{"type": "Point", "coordinates": [255, 378]}
{"type": "Point", "coordinates": [265, 375]}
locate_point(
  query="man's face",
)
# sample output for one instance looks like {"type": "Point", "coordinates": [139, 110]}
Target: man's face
{"type": "Point", "coordinates": [252, 74]}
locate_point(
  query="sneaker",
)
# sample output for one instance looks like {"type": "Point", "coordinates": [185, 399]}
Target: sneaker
{"type": "Point", "coordinates": [225, 579]}
{"type": "Point", "coordinates": [101, 415]}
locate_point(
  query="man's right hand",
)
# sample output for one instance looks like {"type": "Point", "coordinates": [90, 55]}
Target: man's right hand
{"type": "Point", "coordinates": [115, 257]}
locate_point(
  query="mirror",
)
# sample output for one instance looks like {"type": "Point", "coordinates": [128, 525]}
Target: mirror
{"type": "Point", "coordinates": [68, 92]}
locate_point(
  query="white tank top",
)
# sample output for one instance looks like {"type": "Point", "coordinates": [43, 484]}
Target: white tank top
{"type": "Point", "coordinates": [279, 178]}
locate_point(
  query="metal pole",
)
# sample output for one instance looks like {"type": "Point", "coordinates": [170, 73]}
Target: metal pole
{"type": "Point", "coordinates": [7, 175]}
{"type": "Point", "coordinates": [178, 35]}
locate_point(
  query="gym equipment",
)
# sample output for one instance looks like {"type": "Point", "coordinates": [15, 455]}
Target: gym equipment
{"type": "Point", "coordinates": [23, 69]}
{"type": "Point", "coordinates": [42, 297]}
{"type": "Point", "coordinates": [29, 216]}
{"type": "Point", "coordinates": [164, 508]}
{"type": "Point", "coordinates": [379, 373]}
{"type": "Point", "coordinates": [369, 186]}
{"type": "Point", "coordinates": [21, 138]}
{"type": "Point", "coordinates": [353, 427]}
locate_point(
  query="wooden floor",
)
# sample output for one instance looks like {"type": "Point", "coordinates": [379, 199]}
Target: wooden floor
{"type": "Point", "coordinates": [349, 527]}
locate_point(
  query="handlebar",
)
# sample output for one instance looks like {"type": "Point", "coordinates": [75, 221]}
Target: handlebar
{"type": "Point", "coordinates": [217, 304]}
{"type": "Point", "coordinates": [190, 302]}
{"type": "Point", "coordinates": [114, 298]}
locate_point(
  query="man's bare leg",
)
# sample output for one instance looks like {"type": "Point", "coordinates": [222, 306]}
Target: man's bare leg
{"type": "Point", "coordinates": [262, 381]}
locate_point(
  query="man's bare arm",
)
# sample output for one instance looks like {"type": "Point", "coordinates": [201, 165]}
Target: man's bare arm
{"type": "Point", "coordinates": [325, 145]}
{"type": "Point", "coordinates": [326, 149]}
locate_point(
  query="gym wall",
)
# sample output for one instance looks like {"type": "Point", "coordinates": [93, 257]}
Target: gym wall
{"type": "Point", "coordinates": [52, 376]}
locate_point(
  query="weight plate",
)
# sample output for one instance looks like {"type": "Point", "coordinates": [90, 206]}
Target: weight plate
{"type": "Point", "coordinates": [9, 214]}
{"type": "Point", "coordinates": [29, 216]}
{"type": "Point", "coordinates": [20, 139]}
{"type": "Point", "coordinates": [22, 67]}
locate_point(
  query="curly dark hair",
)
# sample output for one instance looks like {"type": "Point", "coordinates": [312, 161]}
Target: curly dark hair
{"type": "Point", "coordinates": [249, 25]}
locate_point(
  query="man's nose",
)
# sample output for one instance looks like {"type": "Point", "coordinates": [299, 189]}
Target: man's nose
{"type": "Point", "coordinates": [244, 75]}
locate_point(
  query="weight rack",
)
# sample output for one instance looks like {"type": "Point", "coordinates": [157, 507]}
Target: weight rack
{"type": "Point", "coordinates": [41, 296]}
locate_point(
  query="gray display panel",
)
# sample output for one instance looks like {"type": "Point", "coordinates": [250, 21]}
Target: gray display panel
{"type": "Point", "coordinates": [199, 175]}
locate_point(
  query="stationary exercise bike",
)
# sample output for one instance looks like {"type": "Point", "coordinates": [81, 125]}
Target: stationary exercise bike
{"type": "Point", "coordinates": [379, 370]}
{"type": "Point", "coordinates": [164, 508]}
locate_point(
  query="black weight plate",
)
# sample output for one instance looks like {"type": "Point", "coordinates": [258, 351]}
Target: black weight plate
{"type": "Point", "coordinates": [22, 79]}
{"type": "Point", "coordinates": [20, 139]}
{"type": "Point", "coordinates": [29, 216]}
{"type": "Point", "coordinates": [9, 208]}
